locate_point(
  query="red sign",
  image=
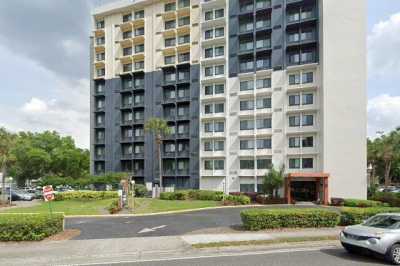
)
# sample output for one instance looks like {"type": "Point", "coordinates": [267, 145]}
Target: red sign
{"type": "Point", "coordinates": [48, 193]}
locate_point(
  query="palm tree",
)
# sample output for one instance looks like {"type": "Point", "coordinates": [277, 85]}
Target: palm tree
{"type": "Point", "coordinates": [7, 141]}
{"type": "Point", "coordinates": [159, 128]}
{"type": "Point", "coordinates": [273, 180]}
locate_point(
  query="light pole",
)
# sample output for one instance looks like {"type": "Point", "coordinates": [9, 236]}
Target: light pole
{"type": "Point", "coordinates": [10, 178]}
{"type": "Point", "coordinates": [371, 180]}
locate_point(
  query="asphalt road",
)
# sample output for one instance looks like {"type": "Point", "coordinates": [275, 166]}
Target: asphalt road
{"type": "Point", "coordinates": [325, 257]}
{"type": "Point", "coordinates": [155, 225]}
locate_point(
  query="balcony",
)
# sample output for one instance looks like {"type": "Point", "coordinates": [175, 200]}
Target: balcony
{"type": "Point", "coordinates": [126, 139]}
{"type": "Point", "coordinates": [138, 155]}
{"type": "Point", "coordinates": [169, 172]}
{"type": "Point", "coordinates": [183, 172]}
{"type": "Point", "coordinates": [305, 17]}
{"type": "Point", "coordinates": [100, 141]}
{"type": "Point", "coordinates": [168, 154]}
{"type": "Point", "coordinates": [126, 106]}
{"type": "Point", "coordinates": [138, 121]}
{"type": "Point", "coordinates": [126, 122]}
{"type": "Point", "coordinates": [99, 157]}
{"type": "Point", "coordinates": [127, 156]}
{"type": "Point", "coordinates": [183, 117]}
{"type": "Point", "coordinates": [100, 125]}
{"type": "Point", "coordinates": [138, 172]}
{"type": "Point", "coordinates": [138, 138]}
{"type": "Point", "coordinates": [184, 153]}
{"type": "Point", "coordinates": [169, 117]}
{"type": "Point", "coordinates": [183, 135]}
{"type": "Point", "coordinates": [246, 27]}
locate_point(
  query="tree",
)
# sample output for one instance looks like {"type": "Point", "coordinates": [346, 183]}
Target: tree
{"type": "Point", "coordinates": [273, 180]}
{"type": "Point", "coordinates": [7, 141]}
{"type": "Point", "coordinates": [159, 128]}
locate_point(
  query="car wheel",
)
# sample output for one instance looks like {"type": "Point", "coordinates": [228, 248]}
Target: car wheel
{"type": "Point", "coordinates": [393, 254]}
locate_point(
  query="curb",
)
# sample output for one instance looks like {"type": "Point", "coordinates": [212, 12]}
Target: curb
{"type": "Point", "coordinates": [162, 213]}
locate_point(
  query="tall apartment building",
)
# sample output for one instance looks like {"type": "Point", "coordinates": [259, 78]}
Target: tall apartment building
{"type": "Point", "coordinates": [244, 85]}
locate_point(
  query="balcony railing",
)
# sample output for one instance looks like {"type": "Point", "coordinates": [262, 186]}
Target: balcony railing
{"type": "Point", "coordinates": [169, 154]}
{"type": "Point", "coordinates": [184, 153]}
{"type": "Point", "coordinates": [183, 117]}
{"type": "Point", "coordinates": [170, 172]}
{"type": "Point", "coordinates": [138, 138]}
{"type": "Point", "coordinates": [183, 135]}
{"type": "Point", "coordinates": [183, 172]}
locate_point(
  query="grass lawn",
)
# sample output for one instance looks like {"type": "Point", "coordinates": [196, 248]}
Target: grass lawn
{"type": "Point", "coordinates": [146, 205]}
{"type": "Point", "coordinates": [69, 207]}
{"type": "Point", "coordinates": [95, 207]}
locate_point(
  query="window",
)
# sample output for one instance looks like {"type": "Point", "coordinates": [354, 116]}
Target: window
{"type": "Point", "coordinates": [219, 32]}
{"type": "Point", "coordinates": [127, 68]}
{"type": "Point", "coordinates": [219, 88]}
{"type": "Point", "coordinates": [307, 120]}
{"type": "Point", "coordinates": [246, 144]}
{"type": "Point", "coordinates": [219, 145]}
{"type": "Point", "coordinates": [208, 165]}
{"type": "Point", "coordinates": [219, 13]}
{"type": "Point", "coordinates": [307, 77]}
{"type": "Point", "coordinates": [100, 24]}
{"type": "Point", "coordinates": [264, 163]}
{"type": "Point", "coordinates": [183, 57]}
{"type": "Point", "coordinates": [170, 24]}
{"type": "Point", "coordinates": [139, 31]}
{"type": "Point", "coordinates": [246, 164]}
{"type": "Point", "coordinates": [219, 108]}
{"type": "Point", "coordinates": [208, 15]}
{"type": "Point", "coordinates": [307, 34]}
{"type": "Point", "coordinates": [219, 51]}
{"type": "Point", "coordinates": [219, 164]}
{"type": "Point", "coordinates": [170, 7]}
{"type": "Point", "coordinates": [169, 147]}
{"type": "Point", "coordinates": [294, 100]}
{"type": "Point", "coordinates": [246, 105]}
{"type": "Point", "coordinates": [99, 119]}
{"type": "Point", "coordinates": [169, 59]}
{"type": "Point", "coordinates": [294, 79]}
{"type": "Point", "coordinates": [208, 34]}
{"type": "Point", "coordinates": [184, 39]}
{"type": "Point", "coordinates": [100, 72]}
{"type": "Point", "coordinates": [293, 37]}
{"type": "Point", "coordinates": [294, 163]}
{"type": "Point", "coordinates": [209, 71]}
{"type": "Point", "coordinates": [184, 3]}
{"type": "Point", "coordinates": [208, 90]}
{"type": "Point", "coordinates": [264, 123]}
{"type": "Point", "coordinates": [219, 127]}
{"type": "Point", "coordinates": [139, 48]}
{"type": "Point", "coordinates": [264, 144]}
{"type": "Point", "coordinates": [263, 3]}
{"type": "Point", "coordinates": [100, 40]}
{"type": "Point", "coordinates": [139, 14]}
{"type": "Point", "coordinates": [139, 65]}
{"type": "Point", "coordinates": [245, 188]}
{"type": "Point", "coordinates": [246, 85]}
{"type": "Point", "coordinates": [127, 51]}
{"type": "Point", "coordinates": [246, 45]}
{"type": "Point", "coordinates": [183, 21]}
{"type": "Point", "coordinates": [308, 163]}
{"type": "Point", "coordinates": [263, 42]}
{"type": "Point", "coordinates": [294, 142]}
{"type": "Point", "coordinates": [208, 52]}
{"type": "Point", "coordinates": [263, 83]}
{"type": "Point", "coordinates": [308, 142]}
{"type": "Point", "coordinates": [127, 34]}
{"type": "Point", "coordinates": [246, 124]}
{"type": "Point", "coordinates": [294, 121]}
{"type": "Point", "coordinates": [307, 98]}
{"type": "Point", "coordinates": [219, 70]}
{"type": "Point", "coordinates": [208, 109]}
{"type": "Point", "coordinates": [127, 17]}
{"type": "Point", "coordinates": [208, 146]}
{"type": "Point", "coordinates": [100, 56]}
{"type": "Point", "coordinates": [208, 127]}
{"type": "Point", "coordinates": [263, 103]}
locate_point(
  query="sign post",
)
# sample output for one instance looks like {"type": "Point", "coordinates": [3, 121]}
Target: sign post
{"type": "Point", "coordinates": [48, 194]}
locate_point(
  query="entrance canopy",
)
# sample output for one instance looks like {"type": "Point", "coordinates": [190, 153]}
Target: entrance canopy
{"type": "Point", "coordinates": [307, 187]}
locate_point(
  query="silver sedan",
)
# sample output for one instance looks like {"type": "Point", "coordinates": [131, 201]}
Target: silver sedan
{"type": "Point", "coordinates": [379, 234]}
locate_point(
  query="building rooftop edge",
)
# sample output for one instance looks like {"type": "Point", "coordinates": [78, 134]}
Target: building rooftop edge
{"type": "Point", "coordinates": [117, 6]}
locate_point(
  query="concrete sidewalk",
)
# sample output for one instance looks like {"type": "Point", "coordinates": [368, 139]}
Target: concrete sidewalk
{"type": "Point", "coordinates": [274, 235]}
{"type": "Point", "coordinates": [107, 251]}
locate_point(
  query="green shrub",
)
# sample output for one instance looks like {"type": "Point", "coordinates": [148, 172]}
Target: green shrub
{"type": "Point", "coordinates": [258, 219]}
{"type": "Point", "coordinates": [29, 227]}
{"type": "Point", "coordinates": [167, 196]}
{"type": "Point", "coordinates": [350, 216]}
{"type": "Point", "coordinates": [237, 200]}
{"type": "Point", "coordinates": [205, 195]}
{"type": "Point", "coordinates": [362, 203]}
{"type": "Point", "coordinates": [140, 191]}
{"type": "Point", "coordinates": [86, 195]}
{"type": "Point", "coordinates": [114, 207]}
{"type": "Point", "coordinates": [391, 199]}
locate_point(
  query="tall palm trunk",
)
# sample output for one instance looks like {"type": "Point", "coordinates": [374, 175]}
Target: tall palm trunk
{"type": "Point", "coordinates": [158, 140]}
{"type": "Point", "coordinates": [388, 166]}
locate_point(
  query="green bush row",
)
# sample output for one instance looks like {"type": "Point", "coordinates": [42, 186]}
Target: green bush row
{"type": "Point", "coordinates": [192, 195]}
{"type": "Point", "coordinates": [86, 195]}
{"type": "Point", "coordinates": [351, 216]}
{"type": "Point", "coordinates": [389, 198]}
{"type": "Point", "coordinates": [363, 203]}
{"type": "Point", "coordinates": [140, 191]}
{"type": "Point", "coordinates": [258, 219]}
{"type": "Point", "coordinates": [29, 227]}
{"type": "Point", "coordinates": [237, 200]}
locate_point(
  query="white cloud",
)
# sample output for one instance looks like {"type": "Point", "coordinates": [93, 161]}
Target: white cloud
{"type": "Point", "coordinates": [383, 114]}
{"type": "Point", "coordinates": [383, 48]}
{"type": "Point", "coordinates": [35, 105]}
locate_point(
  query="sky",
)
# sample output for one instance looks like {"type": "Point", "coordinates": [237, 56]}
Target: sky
{"type": "Point", "coordinates": [44, 47]}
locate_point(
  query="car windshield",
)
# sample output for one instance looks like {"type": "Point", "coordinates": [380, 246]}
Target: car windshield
{"type": "Point", "coordinates": [384, 221]}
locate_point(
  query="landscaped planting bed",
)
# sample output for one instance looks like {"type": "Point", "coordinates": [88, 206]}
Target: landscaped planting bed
{"type": "Point", "coordinates": [351, 216]}
{"type": "Point", "coordinates": [259, 219]}
{"type": "Point", "coordinates": [29, 227]}
{"type": "Point", "coordinates": [86, 195]}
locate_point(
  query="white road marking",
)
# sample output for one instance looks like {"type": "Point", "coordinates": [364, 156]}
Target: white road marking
{"type": "Point", "coordinates": [147, 230]}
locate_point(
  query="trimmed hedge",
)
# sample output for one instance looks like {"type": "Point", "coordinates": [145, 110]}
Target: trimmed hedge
{"type": "Point", "coordinates": [29, 227]}
{"type": "Point", "coordinates": [363, 203]}
{"type": "Point", "coordinates": [258, 219]}
{"type": "Point", "coordinates": [192, 195]}
{"type": "Point", "coordinates": [387, 197]}
{"type": "Point", "coordinates": [237, 200]}
{"type": "Point", "coordinates": [86, 195]}
{"type": "Point", "coordinates": [351, 216]}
